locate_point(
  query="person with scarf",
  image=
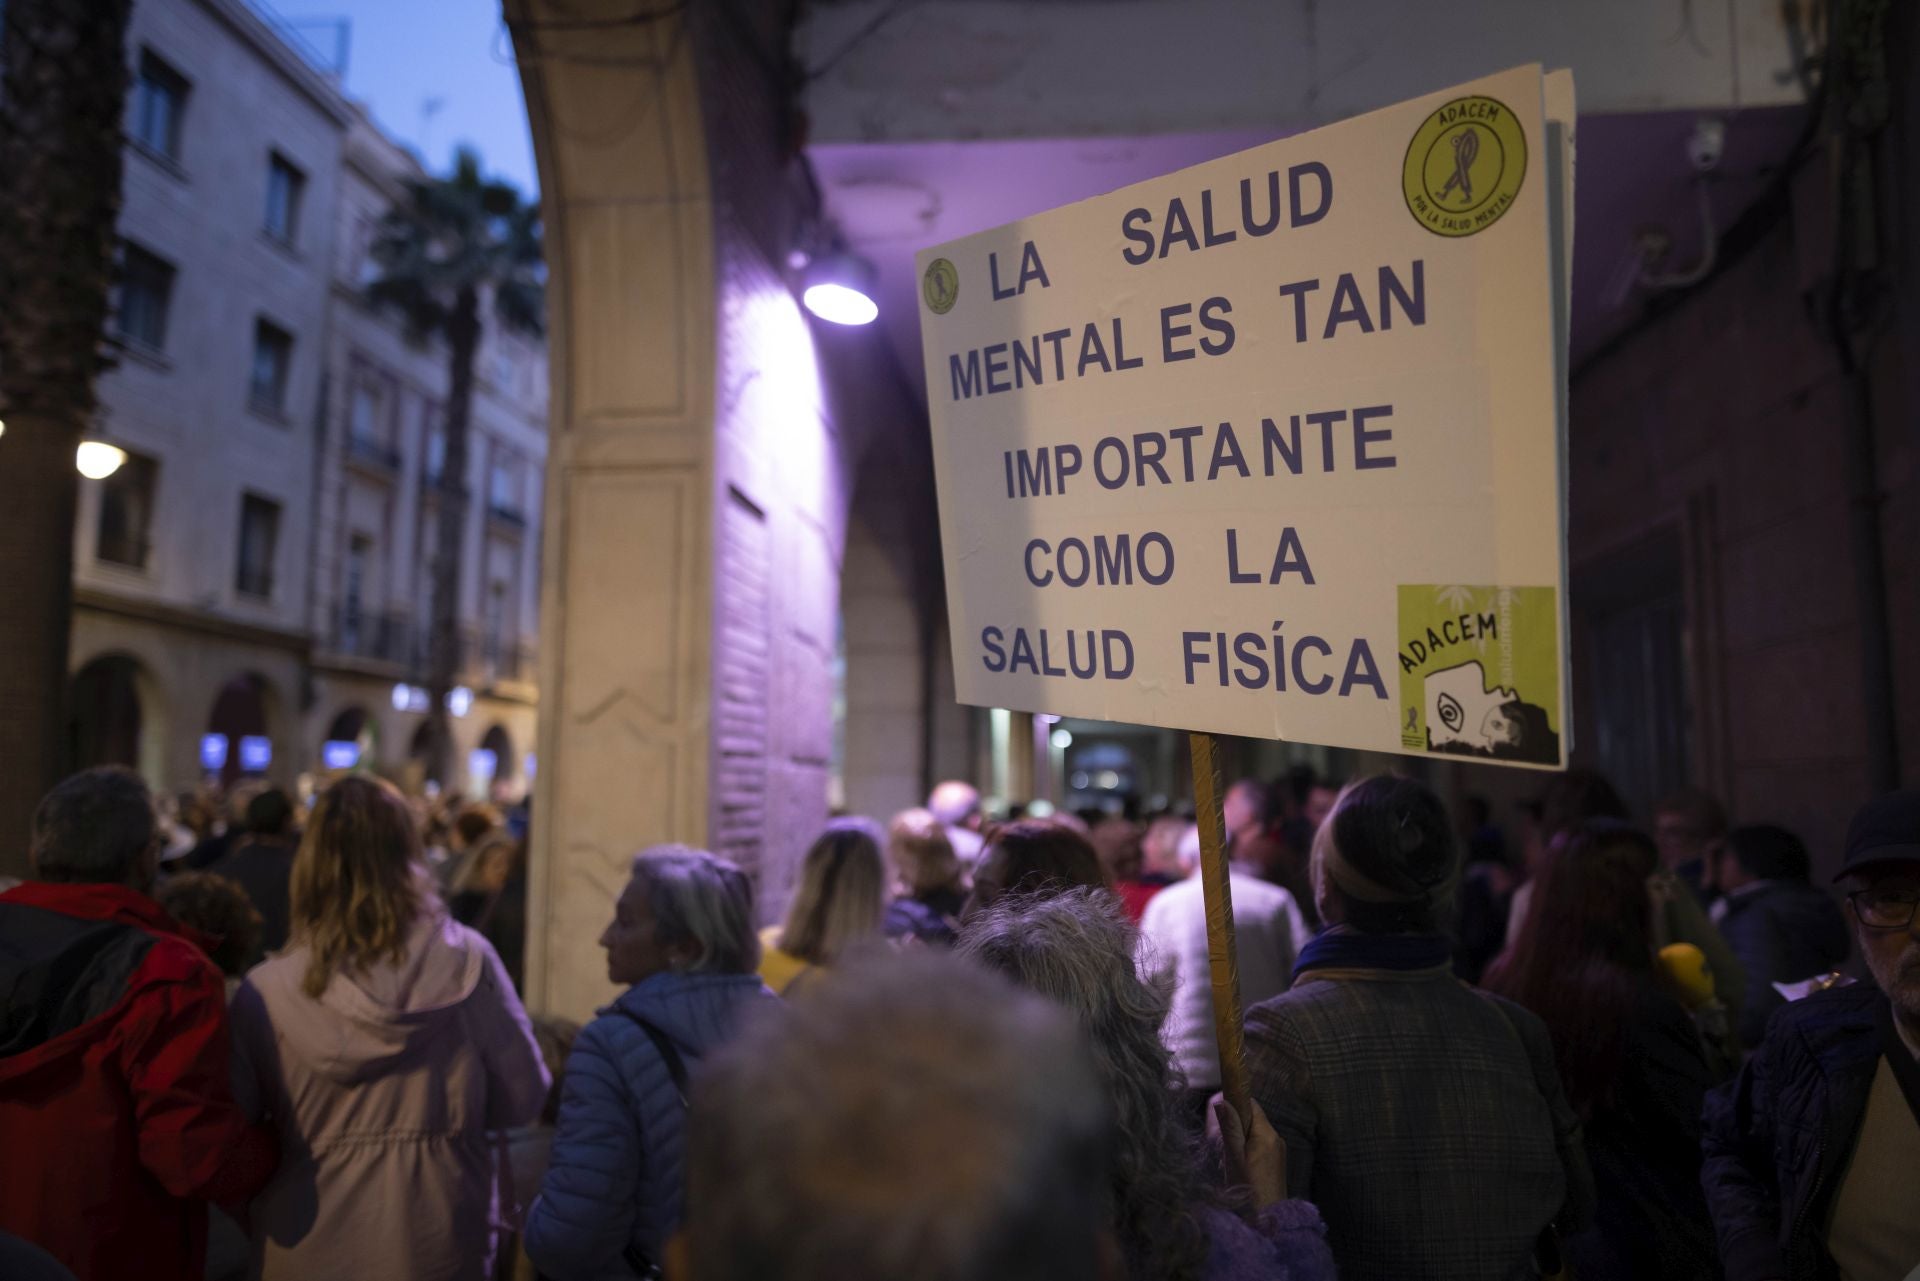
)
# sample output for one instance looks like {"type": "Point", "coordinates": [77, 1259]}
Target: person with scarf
{"type": "Point", "coordinates": [1425, 1118]}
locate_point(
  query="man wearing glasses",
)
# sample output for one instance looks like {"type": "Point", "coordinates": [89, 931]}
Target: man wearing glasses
{"type": "Point", "coordinates": [1813, 1152]}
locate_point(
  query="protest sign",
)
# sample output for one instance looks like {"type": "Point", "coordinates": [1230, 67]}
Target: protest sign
{"type": "Point", "coordinates": [1272, 446]}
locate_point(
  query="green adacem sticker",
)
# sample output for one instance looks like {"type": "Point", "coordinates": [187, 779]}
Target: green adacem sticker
{"type": "Point", "coordinates": [1480, 672]}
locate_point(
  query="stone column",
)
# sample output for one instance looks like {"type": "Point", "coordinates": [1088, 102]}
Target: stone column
{"type": "Point", "coordinates": [626, 600]}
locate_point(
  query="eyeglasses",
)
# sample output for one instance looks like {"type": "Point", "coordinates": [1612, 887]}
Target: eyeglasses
{"type": "Point", "coordinates": [1888, 909]}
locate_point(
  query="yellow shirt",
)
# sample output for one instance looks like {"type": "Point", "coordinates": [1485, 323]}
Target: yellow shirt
{"type": "Point", "coordinates": [1875, 1233]}
{"type": "Point", "coordinates": [778, 969]}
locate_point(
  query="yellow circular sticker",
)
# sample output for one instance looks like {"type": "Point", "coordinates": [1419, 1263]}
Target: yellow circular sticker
{"type": "Point", "coordinates": [1464, 166]}
{"type": "Point", "coordinates": [940, 286]}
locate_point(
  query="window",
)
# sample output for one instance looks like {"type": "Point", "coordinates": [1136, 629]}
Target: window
{"type": "Point", "coordinates": [126, 512]}
{"type": "Point", "coordinates": [361, 266]}
{"type": "Point", "coordinates": [359, 552]}
{"type": "Point", "coordinates": [259, 539]}
{"type": "Point", "coordinates": [159, 105]}
{"type": "Point", "coordinates": [284, 185]}
{"type": "Point", "coordinates": [503, 483]}
{"type": "Point", "coordinates": [366, 414]}
{"type": "Point", "coordinates": [272, 354]}
{"type": "Point", "coordinates": [436, 447]}
{"type": "Point", "coordinates": [145, 288]}
{"type": "Point", "coordinates": [495, 626]}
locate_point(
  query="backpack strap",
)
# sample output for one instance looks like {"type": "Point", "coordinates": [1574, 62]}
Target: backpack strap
{"type": "Point", "coordinates": [669, 1054]}
{"type": "Point", "coordinates": [636, 1259]}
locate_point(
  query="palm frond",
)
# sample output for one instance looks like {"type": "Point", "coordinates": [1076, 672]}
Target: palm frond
{"type": "Point", "coordinates": [461, 231]}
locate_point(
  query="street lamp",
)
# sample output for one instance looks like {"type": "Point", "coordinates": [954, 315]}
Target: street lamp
{"type": "Point", "coordinates": [839, 287]}
{"type": "Point", "coordinates": [98, 460]}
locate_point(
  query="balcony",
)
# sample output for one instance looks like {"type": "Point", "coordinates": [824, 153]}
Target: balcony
{"type": "Point", "coordinates": [431, 488]}
{"type": "Point", "coordinates": [405, 644]}
{"type": "Point", "coordinates": [384, 638]}
{"type": "Point", "coordinates": [503, 664]}
{"type": "Point", "coordinates": [376, 456]}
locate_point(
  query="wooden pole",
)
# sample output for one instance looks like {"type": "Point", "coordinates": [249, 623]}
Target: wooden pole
{"type": "Point", "coordinates": [1222, 957]}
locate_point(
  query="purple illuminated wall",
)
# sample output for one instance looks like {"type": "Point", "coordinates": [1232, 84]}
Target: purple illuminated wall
{"type": "Point", "coordinates": [792, 421]}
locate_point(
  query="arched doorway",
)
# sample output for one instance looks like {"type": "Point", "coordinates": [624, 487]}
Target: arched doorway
{"type": "Point", "coordinates": [492, 764]}
{"type": "Point", "coordinates": [351, 742]}
{"type": "Point", "coordinates": [106, 724]}
{"type": "Point", "coordinates": [238, 741]}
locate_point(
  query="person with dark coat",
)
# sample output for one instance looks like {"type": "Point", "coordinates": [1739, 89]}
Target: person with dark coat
{"type": "Point", "coordinates": [117, 1117]}
{"type": "Point", "coordinates": [1782, 928]}
{"type": "Point", "coordinates": [1811, 1150]}
{"type": "Point", "coordinates": [1425, 1119]}
{"type": "Point", "coordinates": [615, 1188]}
{"type": "Point", "coordinates": [930, 885]}
{"type": "Point", "coordinates": [261, 863]}
{"type": "Point", "coordinates": [1627, 1051]}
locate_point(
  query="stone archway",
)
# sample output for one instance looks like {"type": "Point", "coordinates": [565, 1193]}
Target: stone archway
{"type": "Point", "coordinates": [704, 439]}
{"type": "Point", "coordinates": [352, 741]}
{"type": "Point", "coordinates": [242, 718]}
{"type": "Point", "coordinates": [624, 659]}
{"type": "Point", "coordinates": [499, 743]}
{"type": "Point", "coordinates": [117, 716]}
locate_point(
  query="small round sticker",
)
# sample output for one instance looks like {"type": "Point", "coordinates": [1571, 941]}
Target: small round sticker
{"type": "Point", "coordinates": [1464, 166]}
{"type": "Point", "coordinates": [940, 286]}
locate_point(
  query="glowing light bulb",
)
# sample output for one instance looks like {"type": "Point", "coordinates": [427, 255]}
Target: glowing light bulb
{"type": "Point", "coordinates": [841, 304]}
{"type": "Point", "coordinates": [98, 460]}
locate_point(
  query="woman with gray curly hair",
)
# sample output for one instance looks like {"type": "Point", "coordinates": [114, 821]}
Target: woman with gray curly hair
{"type": "Point", "coordinates": [1077, 948]}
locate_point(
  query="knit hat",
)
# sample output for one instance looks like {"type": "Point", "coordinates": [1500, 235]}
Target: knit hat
{"type": "Point", "coordinates": [1388, 842]}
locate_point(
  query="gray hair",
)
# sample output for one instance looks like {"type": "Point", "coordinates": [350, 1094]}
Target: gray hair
{"type": "Point", "coordinates": [915, 1116]}
{"type": "Point", "coordinates": [1076, 947]}
{"type": "Point", "coordinates": [700, 899]}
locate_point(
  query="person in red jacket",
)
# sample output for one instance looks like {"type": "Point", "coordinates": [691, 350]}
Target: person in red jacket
{"type": "Point", "coordinates": [117, 1118]}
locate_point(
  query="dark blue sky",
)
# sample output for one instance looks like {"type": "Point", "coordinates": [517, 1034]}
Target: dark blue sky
{"type": "Point", "coordinates": [403, 53]}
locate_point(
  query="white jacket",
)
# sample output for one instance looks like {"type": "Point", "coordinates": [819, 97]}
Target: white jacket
{"type": "Point", "coordinates": [1269, 932]}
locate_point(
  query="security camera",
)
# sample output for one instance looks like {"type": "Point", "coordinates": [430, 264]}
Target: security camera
{"type": "Point", "coordinates": [1707, 144]}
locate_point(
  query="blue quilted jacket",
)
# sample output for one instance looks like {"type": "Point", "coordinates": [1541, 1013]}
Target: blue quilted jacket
{"type": "Point", "coordinates": [618, 1172]}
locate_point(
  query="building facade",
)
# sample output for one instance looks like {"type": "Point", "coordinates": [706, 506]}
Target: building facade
{"type": "Point", "coordinates": [250, 584]}
{"type": "Point", "coordinates": [381, 451]}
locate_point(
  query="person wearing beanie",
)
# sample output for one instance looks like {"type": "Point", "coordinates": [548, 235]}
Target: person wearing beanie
{"type": "Point", "coordinates": [1810, 1151]}
{"type": "Point", "coordinates": [1424, 1118]}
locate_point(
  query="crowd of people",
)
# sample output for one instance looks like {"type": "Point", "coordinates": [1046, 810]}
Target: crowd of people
{"type": "Point", "coordinates": [292, 1046]}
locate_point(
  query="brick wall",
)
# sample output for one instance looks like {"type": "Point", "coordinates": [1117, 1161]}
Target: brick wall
{"type": "Point", "coordinates": [795, 408]}
{"type": "Point", "coordinates": [1710, 444]}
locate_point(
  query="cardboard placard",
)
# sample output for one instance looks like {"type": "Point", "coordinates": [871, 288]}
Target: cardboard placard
{"type": "Point", "coordinates": [1273, 446]}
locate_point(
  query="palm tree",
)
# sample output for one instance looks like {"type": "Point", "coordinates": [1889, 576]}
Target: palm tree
{"type": "Point", "coordinates": [453, 244]}
{"type": "Point", "coordinates": [63, 90]}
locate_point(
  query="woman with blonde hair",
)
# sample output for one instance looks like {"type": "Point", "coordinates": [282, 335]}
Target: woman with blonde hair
{"type": "Point", "coordinates": [929, 884]}
{"type": "Point", "coordinates": [385, 1043]}
{"type": "Point", "coordinates": [838, 903]}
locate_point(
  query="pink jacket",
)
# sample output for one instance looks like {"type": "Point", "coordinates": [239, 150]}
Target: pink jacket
{"type": "Point", "coordinates": [388, 1092]}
